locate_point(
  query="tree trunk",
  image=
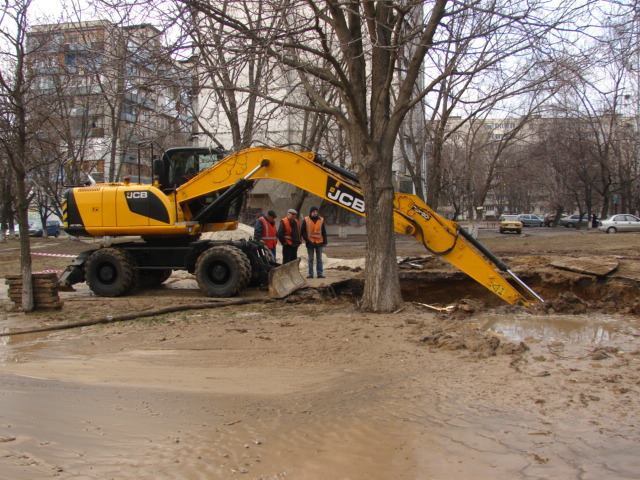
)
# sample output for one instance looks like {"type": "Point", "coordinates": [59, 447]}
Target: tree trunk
{"type": "Point", "coordinates": [381, 283]}
{"type": "Point", "coordinates": [43, 223]}
{"type": "Point", "coordinates": [434, 173]}
{"type": "Point", "coordinates": [418, 180]}
{"type": "Point", "coordinates": [113, 150]}
{"type": "Point", "coordinates": [298, 201]}
{"type": "Point", "coordinates": [25, 246]}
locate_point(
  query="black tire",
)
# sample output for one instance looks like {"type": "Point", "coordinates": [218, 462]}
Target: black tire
{"type": "Point", "coordinates": [222, 271]}
{"type": "Point", "coordinates": [153, 278]}
{"type": "Point", "coordinates": [110, 272]}
{"type": "Point", "coordinates": [612, 230]}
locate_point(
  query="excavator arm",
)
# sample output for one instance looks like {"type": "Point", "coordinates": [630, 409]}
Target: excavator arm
{"type": "Point", "coordinates": [235, 174]}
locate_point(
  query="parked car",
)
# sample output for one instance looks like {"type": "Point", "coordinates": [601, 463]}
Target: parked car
{"type": "Point", "coordinates": [530, 220]}
{"type": "Point", "coordinates": [550, 218]}
{"type": "Point", "coordinates": [510, 223]}
{"type": "Point", "coordinates": [574, 221]}
{"type": "Point", "coordinates": [622, 222]}
{"type": "Point", "coordinates": [53, 229]}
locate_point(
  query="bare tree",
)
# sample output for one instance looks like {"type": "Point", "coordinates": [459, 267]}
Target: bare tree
{"type": "Point", "coordinates": [496, 60]}
{"type": "Point", "coordinates": [14, 98]}
{"type": "Point", "coordinates": [360, 42]}
{"type": "Point", "coordinates": [228, 84]}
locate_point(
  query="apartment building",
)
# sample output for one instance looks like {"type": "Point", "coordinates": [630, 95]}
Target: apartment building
{"type": "Point", "coordinates": [115, 95]}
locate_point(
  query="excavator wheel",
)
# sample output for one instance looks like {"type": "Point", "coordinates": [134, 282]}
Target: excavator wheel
{"type": "Point", "coordinates": [153, 278]}
{"type": "Point", "coordinates": [110, 272]}
{"type": "Point", "coordinates": [222, 271]}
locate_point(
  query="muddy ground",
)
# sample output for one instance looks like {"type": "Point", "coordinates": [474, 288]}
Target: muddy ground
{"type": "Point", "coordinates": [313, 388]}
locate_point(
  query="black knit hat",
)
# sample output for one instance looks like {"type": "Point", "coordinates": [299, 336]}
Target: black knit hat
{"type": "Point", "coordinates": [313, 209]}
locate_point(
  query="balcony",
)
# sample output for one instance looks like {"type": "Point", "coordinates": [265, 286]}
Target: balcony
{"type": "Point", "coordinates": [47, 70]}
{"type": "Point", "coordinates": [76, 47]}
{"type": "Point", "coordinates": [139, 99]}
{"type": "Point", "coordinates": [128, 117]}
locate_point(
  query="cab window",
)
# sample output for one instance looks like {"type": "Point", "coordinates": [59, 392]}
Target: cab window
{"type": "Point", "coordinates": [182, 166]}
{"type": "Point", "coordinates": [207, 160]}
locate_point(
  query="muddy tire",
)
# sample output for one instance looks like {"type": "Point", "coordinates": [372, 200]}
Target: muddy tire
{"type": "Point", "coordinates": [222, 271]}
{"type": "Point", "coordinates": [110, 272]}
{"type": "Point", "coordinates": [612, 230]}
{"type": "Point", "coordinates": [153, 278]}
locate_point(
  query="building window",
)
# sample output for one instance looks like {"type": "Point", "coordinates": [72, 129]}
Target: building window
{"type": "Point", "coordinates": [45, 83]}
{"type": "Point", "coordinates": [70, 61]}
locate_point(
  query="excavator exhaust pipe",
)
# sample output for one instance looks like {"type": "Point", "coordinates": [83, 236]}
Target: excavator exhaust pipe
{"type": "Point", "coordinates": [285, 279]}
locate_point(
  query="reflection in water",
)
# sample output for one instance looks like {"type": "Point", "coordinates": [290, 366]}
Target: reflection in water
{"type": "Point", "coordinates": [572, 329]}
{"type": "Point", "coordinates": [4, 346]}
{"type": "Point", "coordinates": [12, 347]}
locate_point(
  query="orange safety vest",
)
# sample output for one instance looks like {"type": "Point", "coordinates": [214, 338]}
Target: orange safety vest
{"type": "Point", "coordinates": [314, 230]}
{"type": "Point", "coordinates": [288, 234]}
{"type": "Point", "coordinates": [268, 233]}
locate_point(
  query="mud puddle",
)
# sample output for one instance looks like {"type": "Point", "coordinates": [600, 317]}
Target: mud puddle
{"type": "Point", "coordinates": [13, 348]}
{"type": "Point", "coordinates": [594, 329]}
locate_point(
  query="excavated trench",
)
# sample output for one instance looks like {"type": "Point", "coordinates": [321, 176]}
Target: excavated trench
{"type": "Point", "coordinates": [564, 292]}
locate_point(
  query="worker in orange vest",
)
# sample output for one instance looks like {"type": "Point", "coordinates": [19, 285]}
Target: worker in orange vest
{"type": "Point", "coordinates": [265, 231]}
{"type": "Point", "coordinates": [289, 236]}
{"type": "Point", "coordinates": [315, 236]}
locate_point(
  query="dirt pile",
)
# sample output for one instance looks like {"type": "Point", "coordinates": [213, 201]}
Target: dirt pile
{"type": "Point", "coordinates": [567, 302]}
{"type": "Point", "coordinates": [481, 343]}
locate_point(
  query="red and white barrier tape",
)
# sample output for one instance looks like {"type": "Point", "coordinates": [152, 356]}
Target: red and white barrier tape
{"type": "Point", "coordinates": [60, 255]}
{"type": "Point", "coordinates": [49, 271]}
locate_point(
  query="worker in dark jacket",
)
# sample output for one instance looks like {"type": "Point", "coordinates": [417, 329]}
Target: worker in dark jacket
{"type": "Point", "coordinates": [265, 231]}
{"type": "Point", "coordinates": [289, 236]}
{"type": "Point", "coordinates": [315, 235]}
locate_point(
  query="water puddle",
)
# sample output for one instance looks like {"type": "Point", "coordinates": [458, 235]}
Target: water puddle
{"type": "Point", "coordinates": [575, 329]}
{"type": "Point", "coordinates": [12, 348]}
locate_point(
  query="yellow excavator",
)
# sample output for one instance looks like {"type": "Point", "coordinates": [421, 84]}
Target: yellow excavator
{"type": "Point", "coordinates": [198, 190]}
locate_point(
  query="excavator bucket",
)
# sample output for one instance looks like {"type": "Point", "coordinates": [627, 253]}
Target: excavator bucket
{"type": "Point", "coordinates": [285, 279]}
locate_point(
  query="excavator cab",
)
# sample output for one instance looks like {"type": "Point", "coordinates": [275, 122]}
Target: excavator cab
{"type": "Point", "coordinates": [178, 165]}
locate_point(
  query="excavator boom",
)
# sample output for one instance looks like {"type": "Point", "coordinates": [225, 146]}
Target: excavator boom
{"type": "Point", "coordinates": [412, 216]}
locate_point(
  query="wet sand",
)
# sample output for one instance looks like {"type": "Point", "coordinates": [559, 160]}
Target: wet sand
{"type": "Point", "coordinates": [312, 393]}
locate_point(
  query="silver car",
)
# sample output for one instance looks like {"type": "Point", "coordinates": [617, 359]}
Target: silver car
{"type": "Point", "coordinates": [531, 220]}
{"type": "Point", "coordinates": [622, 222]}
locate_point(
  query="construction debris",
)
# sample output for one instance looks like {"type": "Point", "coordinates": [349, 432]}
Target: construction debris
{"type": "Point", "coordinates": [447, 309]}
{"type": "Point", "coordinates": [600, 266]}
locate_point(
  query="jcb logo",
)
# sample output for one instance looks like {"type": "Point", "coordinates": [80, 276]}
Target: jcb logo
{"type": "Point", "coordinates": [344, 195]}
{"type": "Point", "coordinates": [136, 195]}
